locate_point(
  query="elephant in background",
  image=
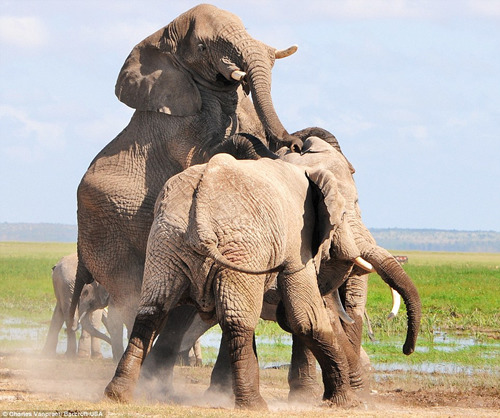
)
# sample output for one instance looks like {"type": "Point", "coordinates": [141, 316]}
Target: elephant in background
{"type": "Point", "coordinates": [188, 83]}
{"type": "Point", "coordinates": [92, 301]}
{"type": "Point", "coordinates": [223, 233]}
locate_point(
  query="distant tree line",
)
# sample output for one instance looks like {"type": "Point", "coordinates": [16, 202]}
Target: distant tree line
{"type": "Point", "coordinates": [438, 240]}
{"type": "Point", "coordinates": [391, 238]}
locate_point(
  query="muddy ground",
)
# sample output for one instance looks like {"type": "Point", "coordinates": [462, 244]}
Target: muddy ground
{"type": "Point", "coordinates": [31, 383]}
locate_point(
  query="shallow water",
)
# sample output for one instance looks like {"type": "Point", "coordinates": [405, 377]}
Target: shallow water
{"type": "Point", "coordinates": [15, 330]}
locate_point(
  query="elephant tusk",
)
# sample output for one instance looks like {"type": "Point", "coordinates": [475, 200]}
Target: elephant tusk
{"type": "Point", "coordinates": [76, 323]}
{"type": "Point", "coordinates": [396, 303]}
{"type": "Point", "coordinates": [340, 309]}
{"type": "Point", "coordinates": [238, 75]}
{"type": "Point", "coordinates": [283, 53]}
{"type": "Point", "coordinates": [361, 262]}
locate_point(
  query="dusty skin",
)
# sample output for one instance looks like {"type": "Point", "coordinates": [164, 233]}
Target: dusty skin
{"type": "Point", "coordinates": [29, 382]}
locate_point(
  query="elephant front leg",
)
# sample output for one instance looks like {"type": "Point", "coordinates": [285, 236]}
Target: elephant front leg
{"type": "Point", "coordinates": [308, 319]}
{"type": "Point", "coordinates": [239, 306]}
{"type": "Point", "coordinates": [121, 387]}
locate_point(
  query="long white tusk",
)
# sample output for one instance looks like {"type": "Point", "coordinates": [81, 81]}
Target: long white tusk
{"type": "Point", "coordinates": [238, 75]}
{"type": "Point", "coordinates": [340, 308]}
{"type": "Point", "coordinates": [283, 53]}
{"type": "Point", "coordinates": [361, 262]}
{"type": "Point", "coordinates": [396, 303]}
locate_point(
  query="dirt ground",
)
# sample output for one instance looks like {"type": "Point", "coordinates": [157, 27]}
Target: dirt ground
{"type": "Point", "coordinates": [29, 383]}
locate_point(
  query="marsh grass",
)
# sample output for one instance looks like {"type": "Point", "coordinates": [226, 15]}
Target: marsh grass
{"type": "Point", "coordinates": [459, 292]}
{"type": "Point", "coordinates": [25, 278]}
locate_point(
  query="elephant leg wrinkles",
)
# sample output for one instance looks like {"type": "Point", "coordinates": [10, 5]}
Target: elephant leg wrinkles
{"type": "Point", "coordinates": [238, 310]}
{"type": "Point", "coordinates": [308, 319]}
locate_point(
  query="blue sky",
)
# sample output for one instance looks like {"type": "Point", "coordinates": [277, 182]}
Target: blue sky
{"type": "Point", "coordinates": [410, 88]}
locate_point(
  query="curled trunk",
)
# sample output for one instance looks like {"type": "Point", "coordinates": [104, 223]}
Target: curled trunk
{"type": "Point", "coordinates": [394, 275]}
{"type": "Point", "coordinates": [85, 320]}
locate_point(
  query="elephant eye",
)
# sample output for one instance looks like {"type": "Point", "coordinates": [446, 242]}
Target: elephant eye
{"type": "Point", "coordinates": [202, 47]}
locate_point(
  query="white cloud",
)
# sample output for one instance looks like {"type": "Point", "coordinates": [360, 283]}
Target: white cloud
{"type": "Point", "coordinates": [25, 32]}
{"type": "Point", "coordinates": [28, 137]}
{"type": "Point", "coordinates": [120, 33]}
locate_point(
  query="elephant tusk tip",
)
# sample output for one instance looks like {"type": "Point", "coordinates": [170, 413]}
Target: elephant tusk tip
{"type": "Point", "coordinates": [392, 315]}
{"type": "Point", "coordinates": [365, 265]}
{"type": "Point", "coordinates": [283, 53]}
{"type": "Point", "coordinates": [238, 75]}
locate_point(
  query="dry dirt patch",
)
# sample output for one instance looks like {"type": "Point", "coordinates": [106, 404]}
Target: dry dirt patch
{"type": "Point", "coordinates": [29, 382]}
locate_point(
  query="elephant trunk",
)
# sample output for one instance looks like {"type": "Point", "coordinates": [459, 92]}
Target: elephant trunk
{"type": "Point", "coordinates": [394, 275]}
{"type": "Point", "coordinates": [258, 68]}
{"type": "Point", "coordinates": [244, 146]}
{"type": "Point", "coordinates": [85, 320]}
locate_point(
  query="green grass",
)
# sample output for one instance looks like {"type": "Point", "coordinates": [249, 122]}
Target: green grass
{"type": "Point", "coordinates": [459, 292]}
{"type": "Point", "coordinates": [25, 278]}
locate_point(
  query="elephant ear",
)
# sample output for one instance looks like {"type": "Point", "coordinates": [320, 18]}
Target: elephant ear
{"type": "Point", "coordinates": [152, 80]}
{"type": "Point", "coordinates": [333, 236]}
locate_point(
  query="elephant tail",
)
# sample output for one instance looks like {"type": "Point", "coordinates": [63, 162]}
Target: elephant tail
{"type": "Point", "coordinates": [214, 253]}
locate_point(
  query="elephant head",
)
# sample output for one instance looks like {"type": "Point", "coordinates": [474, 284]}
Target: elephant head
{"type": "Point", "coordinates": [203, 46]}
{"type": "Point", "coordinates": [93, 297]}
{"type": "Point", "coordinates": [323, 154]}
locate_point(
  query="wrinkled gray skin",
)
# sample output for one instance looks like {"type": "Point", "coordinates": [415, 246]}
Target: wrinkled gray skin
{"type": "Point", "coordinates": [223, 233]}
{"type": "Point", "coordinates": [93, 299]}
{"type": "Point", "coordinates": [187, 109]}
{"type": "Point", "coordinates": [334, 274]}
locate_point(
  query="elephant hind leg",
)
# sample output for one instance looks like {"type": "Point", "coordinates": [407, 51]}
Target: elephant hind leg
{"type": "Point", "coordinates": [156, 302]}
{"type": "Point", "coordinates": [239, 303]}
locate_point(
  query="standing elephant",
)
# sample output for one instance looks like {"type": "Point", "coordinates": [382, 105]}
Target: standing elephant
{"type": "Point", "coordinates": [326, 154]}
{"type": "Point", "coordinates": [186, 82]}
{"type": "Point", "coordinates": [351, 281]}
{"type": "Point", "coordinates": [223, 233]}
{"type": "Point", "coordinates": [93, 299]}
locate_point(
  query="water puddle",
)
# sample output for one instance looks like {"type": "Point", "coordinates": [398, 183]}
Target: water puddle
{"type": "Point", "coordinates": [15, 332]}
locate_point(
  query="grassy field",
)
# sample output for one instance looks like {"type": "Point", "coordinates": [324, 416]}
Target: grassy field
{"type": "Point", "coordinates": [459, 294]}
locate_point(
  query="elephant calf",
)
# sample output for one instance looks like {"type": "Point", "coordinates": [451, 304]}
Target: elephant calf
{"type": "Point", "coordinates": [93, 299]}
{"type": "Point", "coordinates": [223, 232]}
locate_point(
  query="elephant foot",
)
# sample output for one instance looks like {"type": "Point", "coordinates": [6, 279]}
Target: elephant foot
{"type": "Point", "coordinates": [118, 392]}
{"type": "Point", "coordinates": [96, 356]}
{"type": "Point", "coordinates": [342, 399]}
{"type": "Point", "coordinates": [256, 404]}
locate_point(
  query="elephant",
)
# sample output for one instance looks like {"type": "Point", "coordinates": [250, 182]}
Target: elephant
{"type": "Point", "coordinates": [223, 233]}
{"type": "Point", "coordinates": [334, 274]}
{"type": "Point", "coordinates": [188, 84]}
{"type": "Point", "coordinates": [93, 299]}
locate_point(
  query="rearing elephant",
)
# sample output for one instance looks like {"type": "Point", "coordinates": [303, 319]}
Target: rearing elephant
{"type": "Point", "coordinates": [186, 82]}
{"type": "Point", "coordinates": [223, 233]}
